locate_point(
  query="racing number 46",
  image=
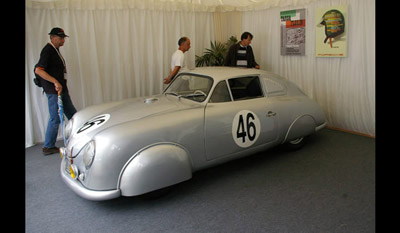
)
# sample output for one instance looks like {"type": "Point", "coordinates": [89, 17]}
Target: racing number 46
{"type": "Point", "coordinates": [248, 130]}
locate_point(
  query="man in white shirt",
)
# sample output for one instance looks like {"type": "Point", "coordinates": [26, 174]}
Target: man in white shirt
{"type": "Point", "coordinates": [177, 60]}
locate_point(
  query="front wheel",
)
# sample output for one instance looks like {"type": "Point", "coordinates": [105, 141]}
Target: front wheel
{"type": "Point", "coordinates": [156, 194]}
{"type": "Point", "coordinates": [296, 144]}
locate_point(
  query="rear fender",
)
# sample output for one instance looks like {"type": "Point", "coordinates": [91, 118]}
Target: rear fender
{"type": "Point", "coordinates": [302, 126]}
{"type": "Point", "coordinates": [155, 167]}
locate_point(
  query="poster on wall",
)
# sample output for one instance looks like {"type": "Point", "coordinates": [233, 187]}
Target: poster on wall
{"type": "Point", "coordinates": [293, 32]}
{"type": "Point", "coordinates": [330, 33]}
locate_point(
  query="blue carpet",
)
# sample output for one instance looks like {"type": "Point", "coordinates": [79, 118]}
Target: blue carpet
{"type": "Point", "coordinates": [327, 186]}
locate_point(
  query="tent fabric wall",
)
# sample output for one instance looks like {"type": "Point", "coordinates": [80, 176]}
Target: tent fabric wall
{"type": "Point", "coordinates": [344, 87]}
{"type": "Point", "coordinates": [110, 54]}
{"type": "Point", "coordinates": [121, 48]}
{"type": "Point", "coordinates": [166, 5]}
{"type": "Point", "coordinates": [227, 24]}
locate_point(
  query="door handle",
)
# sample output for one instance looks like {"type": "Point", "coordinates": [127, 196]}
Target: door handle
{"type": "Point", "coordinates": [271, 114]}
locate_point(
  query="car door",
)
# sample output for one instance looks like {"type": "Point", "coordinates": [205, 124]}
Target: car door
{"type": "Point", "coordinates": [238, 117]}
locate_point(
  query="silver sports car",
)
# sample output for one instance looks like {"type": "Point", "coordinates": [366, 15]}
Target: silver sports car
{"type": "Point", "coordinates": [206, 116]}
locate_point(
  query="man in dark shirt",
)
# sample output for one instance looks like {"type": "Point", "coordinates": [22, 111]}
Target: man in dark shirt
{"type": "Point", "coordinates": [241, 54]}
{"type": "Point", "coordinates": [52, 71]}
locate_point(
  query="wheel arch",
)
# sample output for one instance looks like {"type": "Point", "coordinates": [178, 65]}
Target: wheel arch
{"type": "Point", "coordinates": [154, 167]}
{"type": "Point", "coordinates": [301, 126]}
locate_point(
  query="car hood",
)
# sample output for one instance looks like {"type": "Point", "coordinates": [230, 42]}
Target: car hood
{"type": "Point", "coordinates": [92, 120]}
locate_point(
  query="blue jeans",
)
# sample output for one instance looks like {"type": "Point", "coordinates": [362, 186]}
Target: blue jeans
{"type": "Point", "coordinates": [54, 120]}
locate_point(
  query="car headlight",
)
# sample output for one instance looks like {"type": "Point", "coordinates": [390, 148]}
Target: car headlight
{"type": "Point", "coordinates": [89, 152]}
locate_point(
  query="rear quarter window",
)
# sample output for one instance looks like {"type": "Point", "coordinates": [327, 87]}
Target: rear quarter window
{"type": "Point", "coordinates": [273, 88]}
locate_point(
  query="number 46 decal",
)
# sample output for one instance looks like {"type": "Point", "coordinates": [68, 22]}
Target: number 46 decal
{"type": "Point", "coordinates": [245, 128]}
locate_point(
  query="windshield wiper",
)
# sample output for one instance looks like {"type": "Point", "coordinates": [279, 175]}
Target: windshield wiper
{"type": "Point", "coordinates": [186, 95]}
{"type": "Point", "coordinates": [171, 93]}
{"type": "Point", "coordinates": [192, 95]}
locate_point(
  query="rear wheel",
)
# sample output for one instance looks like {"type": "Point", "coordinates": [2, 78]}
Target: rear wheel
{"type": "Point", "coordinates": [296, 144]}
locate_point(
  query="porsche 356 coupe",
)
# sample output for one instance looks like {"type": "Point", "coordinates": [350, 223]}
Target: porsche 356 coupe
{"type": "Point", "coordinates": [204, 117]}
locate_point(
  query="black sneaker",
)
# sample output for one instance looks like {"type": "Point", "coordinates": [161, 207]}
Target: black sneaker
{"type": "Point", "coordinates": [49, 151]}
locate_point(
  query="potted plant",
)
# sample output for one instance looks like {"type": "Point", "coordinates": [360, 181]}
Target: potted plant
{"type": "Point", "coordinates": [215, 56]}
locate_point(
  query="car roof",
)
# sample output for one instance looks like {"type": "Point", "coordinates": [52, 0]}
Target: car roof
{"type": "Point", "coordinates": [224, 72]}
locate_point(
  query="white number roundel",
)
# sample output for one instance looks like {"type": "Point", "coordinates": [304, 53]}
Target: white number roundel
{"type": "Point", "coordinates": [246, 128]}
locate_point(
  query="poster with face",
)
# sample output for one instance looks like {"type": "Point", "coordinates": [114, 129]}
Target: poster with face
{"type": "Point", "coordinates": [293, 32]}
{"type": "Point", "coordinates": [331, 36]}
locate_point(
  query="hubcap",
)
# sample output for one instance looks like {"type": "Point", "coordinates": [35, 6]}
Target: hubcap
{"type": "Point", "coordinates": [296, 141]}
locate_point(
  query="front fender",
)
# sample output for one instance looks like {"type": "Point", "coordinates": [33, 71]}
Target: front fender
{"type": "Point", "coordinates": [155, 167]}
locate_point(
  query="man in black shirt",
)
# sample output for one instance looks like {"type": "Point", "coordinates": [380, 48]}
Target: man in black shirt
{"type": "Point", "coordinates": [241, 54]}
{"type": "Point", "coordinates": [52, 71]}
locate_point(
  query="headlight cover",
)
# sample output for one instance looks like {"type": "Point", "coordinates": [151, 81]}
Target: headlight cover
{"type": "Point", "coordinates": [89, 152]}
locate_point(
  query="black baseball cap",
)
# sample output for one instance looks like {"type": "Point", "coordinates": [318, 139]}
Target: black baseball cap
{"type": "Point", "coordinates": [58, 32]}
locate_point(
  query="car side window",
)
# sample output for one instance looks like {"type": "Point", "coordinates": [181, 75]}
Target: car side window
{"type": "Point", "coordinates": [221, 93]}
{"type": "Point", "coordinates": [246, 88]}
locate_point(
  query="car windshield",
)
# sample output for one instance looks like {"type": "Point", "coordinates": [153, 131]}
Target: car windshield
{"type": "Point", "coordinates": [190, 86]}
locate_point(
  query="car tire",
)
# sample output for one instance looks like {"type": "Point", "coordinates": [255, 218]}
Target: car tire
{"type": "Point", "coordinates": [153, 195]}
{"type": "Point", "coordinates": [296, 144]}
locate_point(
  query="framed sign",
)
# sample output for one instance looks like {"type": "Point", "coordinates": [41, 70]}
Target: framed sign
{"type": "Point", "coordinates": [330, 33]}
{"type": "Point", "coordinates": [293, 32]}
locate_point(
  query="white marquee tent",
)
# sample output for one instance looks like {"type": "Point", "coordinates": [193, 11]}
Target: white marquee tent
{"type": "Point", "coordinates": [121, 48]}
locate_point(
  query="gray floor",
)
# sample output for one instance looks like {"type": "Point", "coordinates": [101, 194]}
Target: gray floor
{"type": "Point", "coordinates": [327, 186]}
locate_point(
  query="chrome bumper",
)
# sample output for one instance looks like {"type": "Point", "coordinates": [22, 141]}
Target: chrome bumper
{"type": "Point", "coordinates": [82, 191]}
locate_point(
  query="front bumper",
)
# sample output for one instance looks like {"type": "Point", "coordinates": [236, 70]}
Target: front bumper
{"type": "Point", "coordinates": [82, 191]}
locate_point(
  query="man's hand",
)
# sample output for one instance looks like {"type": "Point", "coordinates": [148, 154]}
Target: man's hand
{"type": "Point", "coordinates": [172, 74]}
{"type": "Point", "coordinates": [42, 73]}
{"type": "Point", "coordinates": [167, 80]}
{"type": "Point", "coordinates": [58, 87]}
